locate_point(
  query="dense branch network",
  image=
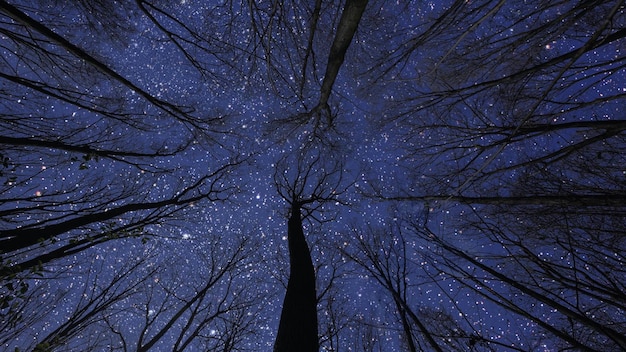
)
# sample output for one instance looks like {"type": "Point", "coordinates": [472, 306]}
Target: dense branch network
{"type": "Point", "coordinates": [493, 140]}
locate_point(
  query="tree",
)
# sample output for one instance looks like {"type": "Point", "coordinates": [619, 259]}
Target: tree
{"type": "Point", "coordinates": [74, 175]}
{"type": "Point", "coordinates": [210, 312]}
{"type": "Point", "coordinates": [96, 129]}
{"type": "Point", "coordinates": [99, 295]}
{"type": "Point", "coordinates": [298, 319]}
{"type": "Point", "coordinates": [306, 183]}
{"type": "Point", "coordinates": [143, 304]}
{"type": "Point", "coordinates": [514, 133]}
{"type": "Point", "coordinates": [468, 123]}
{"type": "Point", "coordinates": [310, 186]}
{"type": "Point", "coordinates": [392, 259]}
{"type": "Point", "coordinates": [493, 128]}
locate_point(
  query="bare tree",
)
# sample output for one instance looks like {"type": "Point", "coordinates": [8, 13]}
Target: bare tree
{"type": "Point", "coordinates": [560, 280]}
{"type": "Point", "coordinates": [318, 35]}
{"type": "Point", "coordinates": [534, 102]}
{"type": "Point", "coordinates": [144, 304]}
{"type": "Point", "coordinates": [393, 260]}
{"type": "Point", "coordinates": [511, 137]}
{"type": "Point", "coordinates": [96, 299]}
{"type": "Point", "coordinates": [114, 127]}
{"type": "Point", "coordinates": [306, 181]}
{"type": "Point", "coordinates": [74, 175]}
{"type": "Point", "coordinates": [208, 312]}
{"type": "Point", "coordinates": [73, 172]}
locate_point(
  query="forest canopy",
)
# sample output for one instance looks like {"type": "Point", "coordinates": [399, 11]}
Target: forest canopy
{"type": "Point", "coordinates": [447, 175]}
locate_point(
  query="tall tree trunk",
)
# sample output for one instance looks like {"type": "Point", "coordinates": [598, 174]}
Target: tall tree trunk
{"type": "Point", "coordinates": [297, 331]}
{"type": "Point", "coordinates": [348, 24]}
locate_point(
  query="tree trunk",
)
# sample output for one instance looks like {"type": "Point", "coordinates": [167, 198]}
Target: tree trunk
{"type": "Point", "coordinates": [297, 331]}
{"type": "Point", "coordinates": [350, 18]}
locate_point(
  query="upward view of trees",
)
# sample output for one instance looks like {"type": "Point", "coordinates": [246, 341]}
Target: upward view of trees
{"type": "Point", "coordinates": [523, 149]}
{"type": "Point", "coordinates": [336, 176]}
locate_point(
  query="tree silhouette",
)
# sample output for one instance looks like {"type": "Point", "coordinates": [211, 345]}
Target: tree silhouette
{"type": "Point", "coordinates": [504, 135]}
{"type": "Point", "coordinates": [486, 138]}
{"type": "Point", "coordinates": [306, 182]}
{"type": "Point", "coordinates": [74, 174]}
{"type": "Point", "coordinates": [298, 320]}
{"type": "Point", "coordinates": [169, 309]}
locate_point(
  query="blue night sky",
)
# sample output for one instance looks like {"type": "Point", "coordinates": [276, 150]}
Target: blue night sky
{"type": "Point", "coordinates": [470, 161]}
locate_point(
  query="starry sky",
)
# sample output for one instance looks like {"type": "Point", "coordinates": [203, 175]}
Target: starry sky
{"type": "Point", "coordinates": [472, 152]}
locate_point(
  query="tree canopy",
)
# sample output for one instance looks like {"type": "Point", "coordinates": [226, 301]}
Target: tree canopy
{"type": "Point", "coordinates": [455, 169]}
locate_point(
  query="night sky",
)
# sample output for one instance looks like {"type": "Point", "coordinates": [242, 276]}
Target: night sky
{"type": "Point", "coordinates": [471, 155]}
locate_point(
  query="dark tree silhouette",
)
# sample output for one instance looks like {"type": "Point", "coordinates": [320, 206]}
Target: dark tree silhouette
{"type": "Point", "coordinates": [170, 309]}
{"type": "Point", "coordinates": [390, 258]}
{"type": "Point", "coordinates": [306, 182]}
{"type": "Point", "coordinates": [209, 314]}
{"type": "Point", "coordinates": [62, 127]}
{"type": "Point", "coordinates": [514, 133]}
{"type": "Point", "coordinates": [298, 328]}
{"type": "Point", "coordinates": [84, 160]}
{"type": "Point", "coordinates": [495, 127]}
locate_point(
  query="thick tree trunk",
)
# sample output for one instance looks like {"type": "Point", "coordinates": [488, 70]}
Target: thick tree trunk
{"type": "Point", "coordinates": [297, 331]}
{"type": "Point", "coordinates": [350, 18]}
